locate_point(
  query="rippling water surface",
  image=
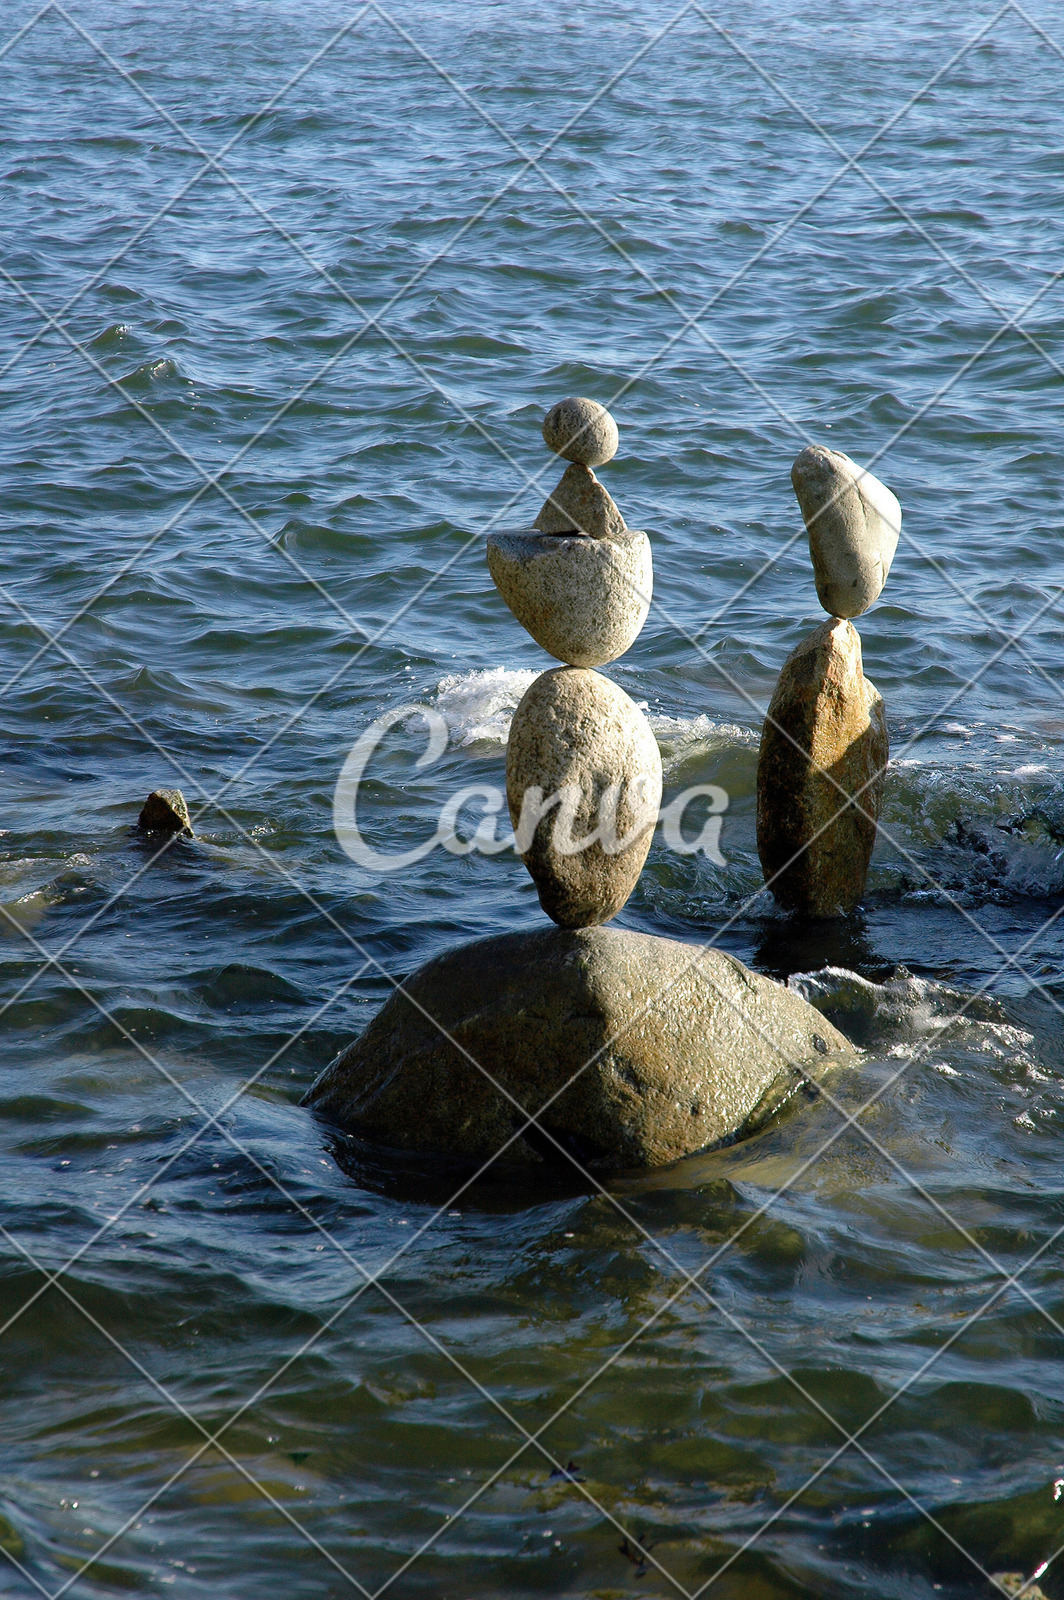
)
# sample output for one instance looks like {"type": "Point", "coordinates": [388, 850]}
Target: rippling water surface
{"type": "Point", "coordinates": [242, 520]}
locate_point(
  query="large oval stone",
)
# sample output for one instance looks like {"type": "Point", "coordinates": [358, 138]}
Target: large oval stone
{"type": "Point", "coordinates": [633, 1050]}
{"type": "Point", "coordinates": [583, 783]}
{"type": "Point", "coordinates": [584, 600]}
{"type": "Point", "coordinates": [820, 775]}
{"type": "Point", "coordinates": [853, 522]}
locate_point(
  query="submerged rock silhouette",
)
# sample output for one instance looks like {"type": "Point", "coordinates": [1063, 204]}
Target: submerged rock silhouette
{"type": "Point", "coordinates": [165, 811]}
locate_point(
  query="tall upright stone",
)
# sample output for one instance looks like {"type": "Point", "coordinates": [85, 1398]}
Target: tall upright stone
{"type": "Point", "coordinates": [824, 744]}
{"type": "Point", "coordinates": [820, 775]}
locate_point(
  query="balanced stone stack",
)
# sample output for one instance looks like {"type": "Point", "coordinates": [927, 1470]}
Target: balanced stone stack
{"type": "Point", "coordinates": [583, 772]}
{"type": "Point", "coordinates": [597, 1045]}
{"type": "Point", "coordinates": [824, 745]}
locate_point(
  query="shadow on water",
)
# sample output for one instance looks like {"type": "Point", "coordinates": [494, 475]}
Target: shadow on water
{"type": "Point", "coordinates": [422, 1178]}
{"type": "Point", "coordinates": [806, 944]}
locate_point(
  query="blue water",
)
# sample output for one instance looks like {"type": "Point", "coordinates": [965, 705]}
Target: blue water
{"type": "Point", "coordinates": [234, 594]}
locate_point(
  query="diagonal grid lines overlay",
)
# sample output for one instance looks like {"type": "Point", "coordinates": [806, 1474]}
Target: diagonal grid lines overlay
{"type": "Point", "coordinates": [71, 659]}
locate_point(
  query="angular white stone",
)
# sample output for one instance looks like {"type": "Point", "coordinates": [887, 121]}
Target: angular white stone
{"type": "Point", "coordinates": [584, 600]}
{"type": "Point", "coordinates": [853, 522]}
{"type": "Point", "coordinates": [581, 430]}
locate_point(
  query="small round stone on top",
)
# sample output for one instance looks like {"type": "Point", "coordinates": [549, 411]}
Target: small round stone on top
{"type": "Point", "coordinates": [581, 430]}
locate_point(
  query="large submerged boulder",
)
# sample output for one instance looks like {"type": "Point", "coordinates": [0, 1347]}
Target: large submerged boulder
{"type": "Point", "coordinates": [637, 1050]}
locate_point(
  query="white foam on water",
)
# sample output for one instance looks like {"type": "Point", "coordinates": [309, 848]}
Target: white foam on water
{"type": "Point", "coordinates": [892, 1017]}
{"type": "Point", "coordinates": [478, 706]}
{"type": "Point", "coordinates": [680, 737]}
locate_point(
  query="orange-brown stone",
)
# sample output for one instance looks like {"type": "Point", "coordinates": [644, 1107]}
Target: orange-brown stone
{"type": "Point", "coordinates": [820, 775]}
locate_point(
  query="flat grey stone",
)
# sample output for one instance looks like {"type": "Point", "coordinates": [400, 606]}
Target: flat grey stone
{"type": "Point", "coordinates": [853, 522]}
{"type": "Point", "coordinates": [576, 735]}
{"type": "Point", "coordinates": [581, 430]}
{"type": "Point", "coordinates": [637, 1051]}
{"type": "Point", "coordinates": [580, 504]}
{"type": "Point", "coordinates": [584, 600]}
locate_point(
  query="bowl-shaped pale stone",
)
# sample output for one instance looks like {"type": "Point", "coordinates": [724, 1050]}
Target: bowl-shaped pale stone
{"type": "Point", "coordinates": [820, 775]}
{"type": "Point", "coordinates": [853, 522]}
{"type": "Point", "coordinates": [584, 600]}
{"type": "Point", "coordinates": [578, 740]}
{"type": "Point", "coordinates": [581, 430]}
{"type": "Point", "coordinates": [636, 1050]}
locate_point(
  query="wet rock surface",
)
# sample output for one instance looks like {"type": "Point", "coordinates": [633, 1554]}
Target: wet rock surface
{"type": "Point", "coordinates": [637, 1050]}
{"type": "Point", "coordinates": [165, 811]}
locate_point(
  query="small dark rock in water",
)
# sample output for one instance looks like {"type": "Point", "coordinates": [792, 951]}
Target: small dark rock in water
{"type": "Point", "coordinates": [636, 1553]}
{"type": "Point", "coordinates": [165, 811]}
{"type": "Point", "coordinates": [1016, 1583]}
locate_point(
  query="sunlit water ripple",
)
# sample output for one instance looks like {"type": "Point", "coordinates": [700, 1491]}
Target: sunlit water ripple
{"type": "Point", "coordinates": [232, 652]}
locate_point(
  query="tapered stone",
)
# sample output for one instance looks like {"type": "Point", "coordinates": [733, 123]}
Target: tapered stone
{"type": "Point", "coordinates": [580, 504]}
{"type": "Point", "coordinates": [853, 522]}
{"type": "Point", "coordinates": [583, 784]}
{"type": "Point", "coordinates": [820, 775]}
